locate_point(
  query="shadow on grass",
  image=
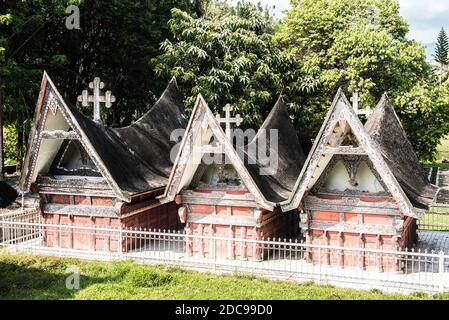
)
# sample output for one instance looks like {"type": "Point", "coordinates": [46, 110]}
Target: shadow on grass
{"type": "Point", "coordinates": [46, 278]}
{"type": "Point", "coordinates": [26, 282]}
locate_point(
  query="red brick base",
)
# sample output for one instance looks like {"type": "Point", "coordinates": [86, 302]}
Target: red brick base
{"type": "Point", "coordinates": [281, 225]}
{"type": "Point", "coordinates": [161, 216]}
{"type": "Point", "coordinates": [351, 258]}
{"type": "Point", "coordinates": [357, 259]}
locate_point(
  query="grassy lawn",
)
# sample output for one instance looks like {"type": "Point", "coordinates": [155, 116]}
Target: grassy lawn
{"type": "Point", "coordinates": [442, 153]}
{"type": "Point", "coordinates": [37, 277]}
{"type": "Point", "coordinates": [434, 221]}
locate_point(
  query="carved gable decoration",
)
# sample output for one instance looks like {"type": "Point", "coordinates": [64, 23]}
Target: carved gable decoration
{"type": "Point", "coordinates": [55, 128]}
{"type": "Point", "coordinates": [217, 176]}
{"type": "Point", "coordinates": [73, 159]}
{"type": "Point", "coordinates": [53, 103]}
{"type": "Point", "coordinates": [206, 155]}
{"type": "Point", "coordinates": [343, 135]}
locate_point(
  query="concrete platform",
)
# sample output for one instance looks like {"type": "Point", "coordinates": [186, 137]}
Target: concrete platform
{"type": "Point", "coordinates": [433, 241]}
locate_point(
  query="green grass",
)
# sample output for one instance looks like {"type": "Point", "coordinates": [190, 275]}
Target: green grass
{"type": "Point", "coordinates": [431, 220]}
{"type": "Point", "coordinates": [443, 149]}
{"type": "Point", "coordinates": [37, 277]}
{"type": "Point", "coordinates": [442, 153]}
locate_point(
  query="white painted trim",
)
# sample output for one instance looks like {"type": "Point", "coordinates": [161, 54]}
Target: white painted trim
{"type": "Point", "coordinates": [206, 119]}
{"type": "Point", "coordinates": [83, 138]}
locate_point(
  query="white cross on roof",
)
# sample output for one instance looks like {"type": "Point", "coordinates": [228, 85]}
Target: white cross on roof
{"type": "Point", "coordinates": [355, 105]}
{"type": "Point", "coordinates": [85, 98]}
{"type": "Point", "coordinates": [228, 119]}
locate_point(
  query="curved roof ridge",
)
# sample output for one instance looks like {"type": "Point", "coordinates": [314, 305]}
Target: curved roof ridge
{"type": "Point", "coordinates": [290, 155]}
{"type": "Point", "coordinates": [385, 128]}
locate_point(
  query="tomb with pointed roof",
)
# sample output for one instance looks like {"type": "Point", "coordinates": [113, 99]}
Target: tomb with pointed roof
{"type": "Point", "coordinates": [88, 173]}
{"type": "Point", "coordinates": [361, 186]}
{"type": "Point", "coordinates": [226, 189]}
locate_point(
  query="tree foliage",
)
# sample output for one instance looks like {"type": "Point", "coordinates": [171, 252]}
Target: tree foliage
{"type": "Point", "coordinates": [116, 40]}
{"type": "Point", "coordinates": [361, 45]}
{"type": "Point", "coordinates": [229, 57]}
{"type": "Point", "coordinates": [236, 55]}
{"type": "Point", "coordinates": [200, 6]}
{"type": "Point", "coordinates": [442, 48]}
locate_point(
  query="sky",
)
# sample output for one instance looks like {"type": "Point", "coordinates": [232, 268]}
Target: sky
{"type": "Point", "coordinates": [425, 17]}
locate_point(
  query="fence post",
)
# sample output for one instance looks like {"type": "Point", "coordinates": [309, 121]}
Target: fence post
{"type": "Point", "coordinates": [60, 239]}
{"type": "Point", "coordinates": [215, 254]}
{"type": "Point", "coordinates": [441, 270]}
{"type": "Point", "coordinates": [120, 251]}
{"type": "Point", "coordinates": [2, 230]}
{"type": "Point", "coordinates": [319, 264]}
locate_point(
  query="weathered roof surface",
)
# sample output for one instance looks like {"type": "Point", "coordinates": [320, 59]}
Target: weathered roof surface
{"type": "Point", "coordinates": [385, 128]}
{"type": "Point", "coordinates": [138, 156]}
{"type": "Point", "coordinates": [277, 187]}
{"type": "Point", "coordinates": [341, 111]}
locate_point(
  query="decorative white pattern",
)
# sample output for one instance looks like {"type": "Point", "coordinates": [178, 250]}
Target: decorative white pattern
{"type": "Point", "coordinates": [53, 103]}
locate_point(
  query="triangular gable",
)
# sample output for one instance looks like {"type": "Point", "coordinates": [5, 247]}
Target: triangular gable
{"type": "Point", "coordinates": [72, 157]}
{"type": "Point", "coordinates": [201, 128]}
{"type": "Point", "coordinates": [66, 126]}
{"type": "Point", "coordinates": [349, 173]}
{"type": "Point", "coordinates": [342, 116]}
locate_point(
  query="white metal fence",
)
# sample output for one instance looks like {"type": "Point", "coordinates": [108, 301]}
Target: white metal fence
{"type": "Point", "coordinates": [20, 215]}
{"type": "Point", "coordinates": [388, 270]}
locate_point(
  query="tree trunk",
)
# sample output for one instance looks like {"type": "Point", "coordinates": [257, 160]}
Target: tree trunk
{"type": "Point", "coordinates": [2, 160]}
{"type": "Point", "coordinates": [20, 143]}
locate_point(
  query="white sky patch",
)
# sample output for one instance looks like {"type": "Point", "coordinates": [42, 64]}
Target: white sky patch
{"type": "Point", "coordinates": [426, 17]}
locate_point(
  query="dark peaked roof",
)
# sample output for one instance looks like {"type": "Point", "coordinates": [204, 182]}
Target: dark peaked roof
{"type": "Point", "coordinates": [386, 130]}
{"type": "Point", "coordinates": [137, 157]}
{"type": "Point", "coordinates": [148, 139]}
{"type": "Point", "coordinates": [342, 111]}
{"type": "Point", "coordinates": [202, 120]}
{"type": "Point", "coordinates": [278, 186]}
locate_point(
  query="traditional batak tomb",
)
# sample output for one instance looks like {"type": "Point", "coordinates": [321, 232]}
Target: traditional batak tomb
{"type": "Point", "coordinates": [86, 173]}
{"type": "Point", "coordinates": [225, 191]}
{"type": "Point", "coordinates": [361, 186]}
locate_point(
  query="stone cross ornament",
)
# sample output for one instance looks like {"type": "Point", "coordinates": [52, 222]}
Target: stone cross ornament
{"type": "Point", "coordinates": [228, 119]}
{"type": "Point", "coordinates": [96, 98]}
{"type": "Point", "coordinates": [355, 105]}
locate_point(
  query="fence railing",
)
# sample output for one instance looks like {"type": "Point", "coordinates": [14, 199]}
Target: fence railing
{"type": "Point", "coordinates": [437, 218]}
{"type": "Point", "coordinates": [389, 270]}
{"type": "Point", "coordinates": [19, 215]}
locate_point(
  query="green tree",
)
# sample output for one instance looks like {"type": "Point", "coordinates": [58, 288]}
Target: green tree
{"type": "Point", "coordinates": [200, 6]}
{"type": "Point", "coordinates": [229, 57]}
{"type": "Point", "coordinates": [361, 45]}
{"type": "Point", "coordinates": [4, 19]}
{"type": "Point", "coordinates": [442, 48]}
{"type": "Point", "coordinates": [116, 41]}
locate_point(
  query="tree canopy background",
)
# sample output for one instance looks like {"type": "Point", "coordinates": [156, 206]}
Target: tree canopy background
{"type": "Point", "coordinates": [239, 55]}
{"type": "Point", "coordinates": [116, 41]}
{"type": "Point", "coordinates": [361, 45]}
